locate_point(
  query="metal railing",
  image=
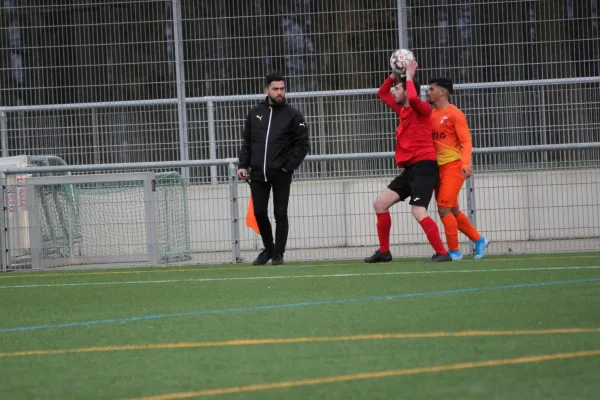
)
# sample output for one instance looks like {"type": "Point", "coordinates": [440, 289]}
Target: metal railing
{"type": "Point", "coordinates": [330, 219]}
{"type": "Point", "coordinates": [223, 134]}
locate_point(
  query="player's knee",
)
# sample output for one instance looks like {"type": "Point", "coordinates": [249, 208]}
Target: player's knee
{"type": "Point", "coordinates": [444, 211]}
{"type": "Point", "coordinates": [455, 211]}
{"type": "Point", "coordinates": [380, 205]}
{"type": "Point", "coordinates": [420, 213]}
{"type": "Point", "coordinates": [385, 201]}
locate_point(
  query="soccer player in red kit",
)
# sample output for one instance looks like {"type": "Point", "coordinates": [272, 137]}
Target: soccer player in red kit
{"type": "Point", "coordinates": [415, 153]}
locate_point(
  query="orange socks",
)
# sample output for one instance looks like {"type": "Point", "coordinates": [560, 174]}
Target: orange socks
{"type": "Point", "coordinates": [465, 226]}
{"type": "Point", "coordinates": [451, 230]}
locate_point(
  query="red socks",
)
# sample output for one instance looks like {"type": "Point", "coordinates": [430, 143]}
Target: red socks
{"type": "Point", "coordinates": [433, 235]}
{"type": "Point", "coordinates": [384, 225]}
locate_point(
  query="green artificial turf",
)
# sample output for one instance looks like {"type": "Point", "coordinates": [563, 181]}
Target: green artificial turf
{"type": "Point", "coordinates": [56, 310]}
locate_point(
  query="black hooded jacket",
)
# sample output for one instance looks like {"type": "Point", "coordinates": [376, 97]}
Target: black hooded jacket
{"type": "Point", "coordinates": [275, 137]}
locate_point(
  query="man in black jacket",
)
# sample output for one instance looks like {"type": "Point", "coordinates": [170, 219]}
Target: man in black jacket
{"type": "Point", "coordinates": [274, 144]}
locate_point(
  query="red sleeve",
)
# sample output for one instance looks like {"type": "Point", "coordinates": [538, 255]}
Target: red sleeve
{"type": "Point", "coordinates": [384, 94]}
{"type": "Point", "coordinates": [420, 106]}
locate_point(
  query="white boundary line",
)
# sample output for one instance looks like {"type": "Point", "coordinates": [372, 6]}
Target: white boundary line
{"type": "Point", "coordinates": [256, 278]}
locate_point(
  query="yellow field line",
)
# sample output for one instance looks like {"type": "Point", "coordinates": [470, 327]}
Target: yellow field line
{"type": "Point", "coordinates": [371, 375]}
{"type": "Point", "coordinates": [200, 269]}
{"type": "Point", "coordinates": [253, 342]}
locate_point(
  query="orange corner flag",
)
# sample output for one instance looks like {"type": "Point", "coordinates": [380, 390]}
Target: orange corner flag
{"type": "Point", "coordinates": [250, 219]}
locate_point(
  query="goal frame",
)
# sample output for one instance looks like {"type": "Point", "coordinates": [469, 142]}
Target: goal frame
{"type": "Point", "coordinates": [151, 255]}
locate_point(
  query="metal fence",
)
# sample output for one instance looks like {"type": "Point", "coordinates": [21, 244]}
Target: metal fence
{"type": "Point", "coordinates": [108, 82]}
{"type": "Point", "coordinates": [167, 80]}
{"type": "Point", "coordinates": [146, 214]}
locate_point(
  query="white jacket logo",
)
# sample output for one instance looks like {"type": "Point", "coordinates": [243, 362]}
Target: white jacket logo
{"type": "Point", "coordinates": [259, 117]}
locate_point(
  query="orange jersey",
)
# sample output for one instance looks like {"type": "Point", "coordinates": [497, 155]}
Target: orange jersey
{"type": "Point", "coordinates": [451, 136]}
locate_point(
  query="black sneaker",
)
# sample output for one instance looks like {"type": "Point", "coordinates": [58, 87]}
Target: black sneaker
{"type": "Point", "coordinates": [277, 259]}
{"type": "Point", "coordinates": [378, 257]}
{"type": "Point", "coordinates": [263, 257]}
{"type": "Point", "coordinates": [437, 257]}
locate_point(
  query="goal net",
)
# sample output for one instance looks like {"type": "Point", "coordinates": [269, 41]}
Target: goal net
{"type": "Point", "coordinates": [103, 218]}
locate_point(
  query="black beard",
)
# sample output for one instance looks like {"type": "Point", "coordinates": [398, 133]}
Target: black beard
{"type": "Point", "coordinates": [277, 102]}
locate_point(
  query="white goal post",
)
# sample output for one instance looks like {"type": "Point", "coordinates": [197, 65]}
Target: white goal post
{"type": "Point", "coordinates": [62, 235]}
{"type": "Point", "coordinates": [135, 217]}
{"type": "Point", "coordinates": [53, 219]}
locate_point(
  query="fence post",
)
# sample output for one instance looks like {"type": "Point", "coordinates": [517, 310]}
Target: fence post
{"type": "Point", "coordinates": [234, 212]}
{"type": "Point", "coordinates": [212, 140]}
{"type": "Point", "coordinates": [95, 136]}
{"type": "Point", "coordinates": [4, 259]}
{"type": "Point", "coordinates": [402, 24]}
{"type": "Point", "coordinates": [180, 77]}
{"type": "Point", "coordinates": [543, 123]}
{"type": "Point", "coordinates": [322, 138]}
{"type": "Point", "coordinates": [471, 206]}
{"type": "Point", "coordinates": [4, 133]}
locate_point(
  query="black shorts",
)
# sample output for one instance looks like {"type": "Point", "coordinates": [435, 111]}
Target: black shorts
{"type": "Point", "coordinates": [418, 182]}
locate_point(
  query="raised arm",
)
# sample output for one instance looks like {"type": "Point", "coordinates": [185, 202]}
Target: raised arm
{"type": "Point", "coordinates": [420, 106]}
{"type": "Point", "coordinates": [386, 96]}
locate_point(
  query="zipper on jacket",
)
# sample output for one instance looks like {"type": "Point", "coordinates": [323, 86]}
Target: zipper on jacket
{"type": "Point", "coordinates": [267, 143]}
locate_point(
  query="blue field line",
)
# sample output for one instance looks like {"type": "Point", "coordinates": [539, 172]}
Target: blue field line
{"type": "Point", "coordinates": [293, 305]}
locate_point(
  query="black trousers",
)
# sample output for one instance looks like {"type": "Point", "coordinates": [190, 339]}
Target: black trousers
{"type": "Point", "coordinates": [261, 191]}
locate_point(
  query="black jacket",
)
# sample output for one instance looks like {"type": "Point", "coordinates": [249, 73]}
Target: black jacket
{"type": "Point", "coordinates": [275, 137]}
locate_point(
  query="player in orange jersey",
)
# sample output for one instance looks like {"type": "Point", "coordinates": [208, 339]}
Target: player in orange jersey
{"type": "Point", "coordinates": [452, 140]}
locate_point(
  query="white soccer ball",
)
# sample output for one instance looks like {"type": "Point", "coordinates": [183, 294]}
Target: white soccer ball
{"type": "Point", "coordinates": [399, 60]}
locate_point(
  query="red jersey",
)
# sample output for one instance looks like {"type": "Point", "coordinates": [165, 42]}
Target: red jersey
{"type": "Point", "coordinates": [414, 140]}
